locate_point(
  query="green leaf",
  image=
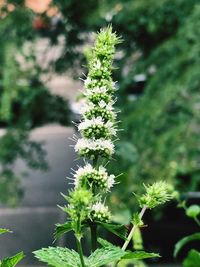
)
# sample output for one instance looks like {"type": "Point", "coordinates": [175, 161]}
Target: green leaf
{"type": "Point", "coordinates": [58, 257]}
{"type": "Point", "coordinates": [62, 229]}
{"type": "Point", "coordinates": [117, 229]}
{"type": "Point", "coordinates": [102, 256]}
{"type": "Point", "coordinates": [3, 231]}
{"type": "Point", "coordinates": [104, 243]}
{"type": "Point", "coordinates": [193, 259]}
{"type": "Point", "coordinates": [140, 255]}
{"type": "Point", "coordinates": [12, 261]}
{"type": "Point", "coordinates": [184, 241]}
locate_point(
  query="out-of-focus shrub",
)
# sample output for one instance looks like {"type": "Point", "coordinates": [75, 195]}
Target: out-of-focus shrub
{"type": "Point", "coordinates": [25, 103]}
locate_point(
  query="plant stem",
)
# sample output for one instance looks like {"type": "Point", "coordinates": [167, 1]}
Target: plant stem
{"type": "Point", "coordinates": [130, 236]}
{"type": "Point", "coordinates": [80, 251]}
{"type": "Point", "coordinates": [93, 228]}
{"type": "Point", "coordinates": [78, 241]}
{"type": "Point", "coordinates": [133, 230]}
{"type": "Point", "coordinates": [197, 221]}
{"type": "Point", "coordinates": [95, 161]}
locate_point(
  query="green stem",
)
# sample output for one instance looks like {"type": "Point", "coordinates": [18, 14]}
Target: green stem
{"type": "Point", "coordinates": [95, 161]}
{"type": "Point", "coordinates": [80, 251]}
{"type": "Point", "coordinates": [93, 228]}
{"type": "Point", "coordinates": [130, 236]}
{"type": "Point", "coordinates": [197, 221]}
{"type": "Point", "coordinates": [126, 243]}
{"type": "Point", "coordinates": [78, 242]}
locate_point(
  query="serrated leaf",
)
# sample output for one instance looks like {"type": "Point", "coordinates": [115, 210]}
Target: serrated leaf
{"type": "Point", "coordinates": [62, 229]}
{"type": "Point", "coordinates": [117, 229]}
{"type": "Point", "coordinates": [184, 241]}
{"type": "Point", "coordinates": [102, 256]}
{"type": "Point", "coordinates": [140, 255]}
{"type": "Point", "coordinates": [58, 257]}
{"type": "Point", "coordinates": [12, 261]}
{"type": "Point", "coordinates": [193, 259]}
{"type": "Point", "coordinates": [3, 231]}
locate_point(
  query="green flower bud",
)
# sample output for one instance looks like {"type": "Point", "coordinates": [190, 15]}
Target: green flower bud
{"type": "Point", "coordinates": [156, 194]}
{"type": "Point", "coordinates": [193, 211]}
{"type": "Point", "coordinates": [79, 204]}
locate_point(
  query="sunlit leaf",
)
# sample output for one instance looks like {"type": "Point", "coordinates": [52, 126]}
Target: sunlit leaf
{"type": "Point", "coordinates": [12, 261]}
{"type": "Point", "coordinates": [140, 255]}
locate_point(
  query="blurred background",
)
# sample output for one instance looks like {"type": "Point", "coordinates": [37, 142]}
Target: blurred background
{"type": "Point", "coordinates": [43, 50]}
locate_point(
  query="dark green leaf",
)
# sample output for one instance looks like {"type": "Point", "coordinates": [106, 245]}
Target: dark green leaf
{"type": "Point", "coordinates": [12, 261]}
{"type": "Point", "coordinates": [117, 229]}
{"type": "Point", "coordinates": [62, 229]}
{"type": "Point", "coordinates": [184, 241]}
{"type": "Point", "coordinates": [140, 255]}
{"type": "Point", "coordinates": [193, 259]}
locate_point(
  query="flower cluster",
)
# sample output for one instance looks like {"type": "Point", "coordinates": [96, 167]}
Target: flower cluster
{"type": "Point", "coordinates": [100, 212]}
{"type": "Point", "coordinates": [92, 148]}
{"type": "Point", "coordinates": [79, 204]}
{"type": "Point", "coordinates": [90, 177]}
{"type": "Point", "coordinates": [97, 129]}
{"type": "Point", "coordinates": [156, 194]}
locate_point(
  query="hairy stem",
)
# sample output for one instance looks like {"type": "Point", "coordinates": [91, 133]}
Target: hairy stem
{"type": "Point", "coordinates": [93, 226]}
{"type": "Point", "coordinates": [130, 236]}
{"type": "Point", "coordinates": [78, 242]}
{"type": "Point", "coordinates": [126, 243]}
{"type": "Point", "coordinates": [80, 251]}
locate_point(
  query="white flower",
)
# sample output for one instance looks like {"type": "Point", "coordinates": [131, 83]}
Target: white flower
{"type": "Point", "coordinates": [102, 104]}
{"type": "Point", "coordinates": [106, 111]}
{"type": "Point", "coordinates": [81, 172]}
{"type": "Point", "coordinates": [87, 81]}
{"type": "Point", "coordinates": [111, 181]}
{"type": "Point", "coordinates": [98, 90]}
{"type": "Point", "coordinates": [100, 212]}
{"type": "Point", "coordinates": [99, 124]}
{"type": "Point", "coordinates": [88, 123]}
{"type": "Point", "coordinates": [87, 107]}
{"type": "Point", "coordinates": [88, 147]}
{"type": "Point", "coordinates": [99, 178]}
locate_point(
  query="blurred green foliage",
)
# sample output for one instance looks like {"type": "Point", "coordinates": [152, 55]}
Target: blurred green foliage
{"type": "Point", "coordinates": [25, 103]}
{"type": "Point", "coordinates": [158, 80]}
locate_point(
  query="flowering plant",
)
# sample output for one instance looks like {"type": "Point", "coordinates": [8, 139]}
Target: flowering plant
{"type": "Point", "coordinates": [87, 201]}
